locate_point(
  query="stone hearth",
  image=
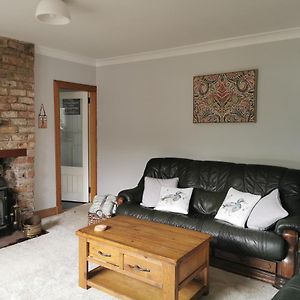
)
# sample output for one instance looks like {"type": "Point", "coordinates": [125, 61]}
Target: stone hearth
{"type": "Point", "coordinates": [17, 118]}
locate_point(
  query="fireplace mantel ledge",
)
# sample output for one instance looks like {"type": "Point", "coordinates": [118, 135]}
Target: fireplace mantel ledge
{"type": "Point", "coordinates": [12, 153]}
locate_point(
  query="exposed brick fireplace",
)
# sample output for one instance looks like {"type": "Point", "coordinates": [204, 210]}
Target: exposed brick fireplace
{"type": "Point", "coordinates": [17, 119]}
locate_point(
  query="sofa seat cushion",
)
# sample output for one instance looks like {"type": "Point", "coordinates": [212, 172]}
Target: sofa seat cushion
{"type": "Point", "coordinates": [261, 244]}
{"type": "Point", "coordinates": [194, 222]}
{"type": "Point", "coordinates": [255, 243]}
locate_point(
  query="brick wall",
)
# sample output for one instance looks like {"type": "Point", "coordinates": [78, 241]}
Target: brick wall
{"type": "Point", "coordinates": [17, 117]}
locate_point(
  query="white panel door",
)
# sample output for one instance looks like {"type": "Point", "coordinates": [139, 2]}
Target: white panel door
{"type": "Point", "coordinates": [74, 146]}
{"type": "Point", "coordinates": [72, 184]}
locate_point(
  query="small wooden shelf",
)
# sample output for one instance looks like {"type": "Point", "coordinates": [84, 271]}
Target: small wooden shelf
{"type": "Point", "coordinates": [118, 284]}
{"type": "Point", "coordinates": [12, 153]}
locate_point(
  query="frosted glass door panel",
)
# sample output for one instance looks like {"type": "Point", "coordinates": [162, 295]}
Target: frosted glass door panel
{"type": "Point", "coordinates": [71, 132]}
{"type": "Point", "coordinates": [74, 145]}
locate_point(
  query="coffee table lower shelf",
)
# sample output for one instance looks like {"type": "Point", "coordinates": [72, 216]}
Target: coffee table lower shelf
{"type": "Point", "coordinates": [125, 287]}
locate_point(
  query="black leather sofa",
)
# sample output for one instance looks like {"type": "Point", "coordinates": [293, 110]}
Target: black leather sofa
{"type": "Point", "coordinates": [290, 291]}
{"type": "Point", "coordinates": [270, 255]}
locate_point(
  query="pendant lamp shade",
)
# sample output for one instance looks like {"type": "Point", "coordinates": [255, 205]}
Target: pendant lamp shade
{"type": "Point", "coordinates": [54, 12]}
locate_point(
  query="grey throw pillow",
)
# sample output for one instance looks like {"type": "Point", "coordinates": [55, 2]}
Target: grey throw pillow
{"type": "Point", "coordinates": [152, 187]}
{"type": "Point", "coordinates": [266, 212]}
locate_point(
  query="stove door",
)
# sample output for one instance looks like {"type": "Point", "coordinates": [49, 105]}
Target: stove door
{"type": "Point", "coordinates": [3, 208]}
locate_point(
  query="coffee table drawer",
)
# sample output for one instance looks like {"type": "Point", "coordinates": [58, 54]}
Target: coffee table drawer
{"type": "Point", "coordinates": [144, 267]}
{"type": "Point", "coordinates": [104, 252]}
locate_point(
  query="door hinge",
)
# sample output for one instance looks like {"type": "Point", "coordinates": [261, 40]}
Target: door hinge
{"type": "Point", "coordinates": [89, 189]}
{"type": "Point", "coordinates": [89, 100]}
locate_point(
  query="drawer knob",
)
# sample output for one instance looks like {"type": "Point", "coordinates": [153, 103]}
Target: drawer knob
{"type": "Point", "coordinates": [104, 254]}
{"type": "Point", "coordinates": [138, 268]}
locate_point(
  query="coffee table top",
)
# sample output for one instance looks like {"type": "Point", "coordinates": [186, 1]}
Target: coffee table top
{"type": "Point", "coordinates": [168, 243]}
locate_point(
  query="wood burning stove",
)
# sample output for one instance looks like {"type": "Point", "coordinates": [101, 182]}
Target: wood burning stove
{"type": "Point", "coordinates": [10, 215]}
{"type": "Point", "coordinates": [5, 207]}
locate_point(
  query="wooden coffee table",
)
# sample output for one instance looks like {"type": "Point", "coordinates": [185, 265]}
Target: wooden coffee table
{"type": "Point", "coordinates": [138, 259]}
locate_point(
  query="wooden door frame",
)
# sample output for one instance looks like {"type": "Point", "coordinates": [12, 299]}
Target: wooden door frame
{"type": "Point", "coordinates": [92, 120]}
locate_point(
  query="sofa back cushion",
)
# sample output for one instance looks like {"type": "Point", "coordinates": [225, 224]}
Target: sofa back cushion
{"type": "Point", "coordinates": [213, 176]}
{"type": "Point", "coordinates": [206, 202]}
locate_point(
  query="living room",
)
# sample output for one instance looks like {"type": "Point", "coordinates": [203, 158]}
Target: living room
{"type": "Point", "coordinates": [141, 57]}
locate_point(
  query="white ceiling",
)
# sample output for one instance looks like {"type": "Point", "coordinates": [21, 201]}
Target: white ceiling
{"type": "Point", "coordinates": [108, 28]}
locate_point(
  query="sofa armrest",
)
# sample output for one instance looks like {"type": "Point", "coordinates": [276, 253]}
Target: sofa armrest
{"type": "Point", "coordinates": [289, 229]}
{"type": "Point", "coordinates": [132, 195]}
{"type": "Point", "coordinates": [289, 223]}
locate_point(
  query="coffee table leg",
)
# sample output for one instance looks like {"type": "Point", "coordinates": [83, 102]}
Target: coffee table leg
{"type": "Point", "coordinates": [83, 264]}
{"type": "Point", "coordinates": [203, 278]}
{"type": "Point", "coordinates": [170, 284]}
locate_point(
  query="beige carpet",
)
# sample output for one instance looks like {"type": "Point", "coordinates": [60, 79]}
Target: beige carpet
{"type": "Point", "coordinates": [46, 268]}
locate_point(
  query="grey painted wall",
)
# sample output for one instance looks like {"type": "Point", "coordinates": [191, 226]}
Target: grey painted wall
{"type": "Point", "coordinates": [46, 70]}
{"type": "Point", "coordinates": [146, 111]}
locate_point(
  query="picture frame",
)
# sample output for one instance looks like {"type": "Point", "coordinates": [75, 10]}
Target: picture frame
{"type": "Point", "coordinates": [225, 97]}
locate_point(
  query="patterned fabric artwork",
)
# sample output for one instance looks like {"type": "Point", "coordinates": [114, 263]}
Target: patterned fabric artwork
{"type": "Point", "coordinates": [225, 98]}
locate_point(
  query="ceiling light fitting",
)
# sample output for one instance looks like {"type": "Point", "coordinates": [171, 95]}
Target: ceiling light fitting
{"type": "Point", "coordinates": [54, 12]}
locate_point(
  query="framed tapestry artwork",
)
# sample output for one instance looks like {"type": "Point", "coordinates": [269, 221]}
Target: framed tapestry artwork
{"type": "Point", "coordinates": [225, 97]}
